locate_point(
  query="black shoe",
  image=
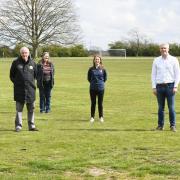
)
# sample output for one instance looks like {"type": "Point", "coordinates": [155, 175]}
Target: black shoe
{"type": "Point", "coordinates": [47, 111]}
{"type": "Point", "coordinates": [33, 129]}
{"type": "Point", "coordinates": [173, 128]}
{"type": "Point", "coordinates": [160, 128]}
{"type": "Point", "coordinates": [42, 111]}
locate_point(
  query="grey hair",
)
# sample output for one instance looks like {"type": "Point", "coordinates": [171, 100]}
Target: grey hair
{"type": "Point", "coordinates": [24, 48]}
{"type": "Point", "coordinates": [164, 44]}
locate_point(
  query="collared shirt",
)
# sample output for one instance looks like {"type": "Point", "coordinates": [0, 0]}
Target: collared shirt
{"type": "Point", "coordinates": [165, 71]}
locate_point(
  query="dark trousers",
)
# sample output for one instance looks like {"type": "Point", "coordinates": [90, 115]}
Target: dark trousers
{"type": "Point", "coordinates": [166, 92]}
{"type": "Point", "coordinates": [45, 97]}
{"type": "Point", "coordinates": [93, 95]}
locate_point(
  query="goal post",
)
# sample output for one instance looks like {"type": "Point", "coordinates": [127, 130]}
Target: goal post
{"type": "Point", "coordinates": [117, 52]}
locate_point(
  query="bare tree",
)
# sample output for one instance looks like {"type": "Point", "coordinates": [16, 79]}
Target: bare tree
{"type": "Point", "coordinates": [136, 39]}
{"type": "Point", "coordinates": [38, 22]}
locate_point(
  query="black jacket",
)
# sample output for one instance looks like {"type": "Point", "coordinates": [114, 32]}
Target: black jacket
{"type": "Point", "coordinates": [40, 74]}
{"type": "Point", "coordinates": [23, 75]}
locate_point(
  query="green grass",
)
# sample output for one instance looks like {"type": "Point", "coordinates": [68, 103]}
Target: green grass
{"type": "Point", "coordinates": [69, 147]}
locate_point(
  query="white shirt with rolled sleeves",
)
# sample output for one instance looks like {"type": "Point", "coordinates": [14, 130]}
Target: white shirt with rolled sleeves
{"type": "Point", "coordinates": [165, 71]}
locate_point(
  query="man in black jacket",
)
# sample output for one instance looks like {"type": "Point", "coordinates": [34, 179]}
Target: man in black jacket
{"type": "Point", "coordinates": [23, 75]}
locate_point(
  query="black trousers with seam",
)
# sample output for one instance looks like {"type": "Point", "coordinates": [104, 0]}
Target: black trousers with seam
{"type": "Point", "coordinates": [93, 95]}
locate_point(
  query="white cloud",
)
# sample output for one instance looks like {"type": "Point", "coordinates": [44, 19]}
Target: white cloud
{"type": "Point", "coordinates": [105, 21]}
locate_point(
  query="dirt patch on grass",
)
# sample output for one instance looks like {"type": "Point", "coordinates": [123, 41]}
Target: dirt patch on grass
{"type": "Point", "coordinates": [96, 172]}
{"type": "Point", "coordinates": [73, 175]}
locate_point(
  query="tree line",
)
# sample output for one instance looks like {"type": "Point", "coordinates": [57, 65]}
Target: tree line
{"type": "Point", "coordinates": [142, 49]}
{"type": "Point", "coordinates": [54, 50]}
{"type": "Point", "coordinates": [137, 43]}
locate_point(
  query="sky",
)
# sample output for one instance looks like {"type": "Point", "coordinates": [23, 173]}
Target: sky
{"type": "Point", "coordinates": [106, 21]}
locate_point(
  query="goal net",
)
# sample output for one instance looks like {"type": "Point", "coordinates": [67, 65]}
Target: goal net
{"type": "Point", "coordinates": [117, 52]}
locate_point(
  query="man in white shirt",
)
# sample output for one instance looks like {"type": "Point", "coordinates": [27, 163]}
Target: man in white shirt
{"type": "Point", "coordinates": [165, 79]}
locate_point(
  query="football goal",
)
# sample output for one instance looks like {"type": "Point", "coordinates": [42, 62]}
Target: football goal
{"type": "Point", "coordinates": [117, 52]}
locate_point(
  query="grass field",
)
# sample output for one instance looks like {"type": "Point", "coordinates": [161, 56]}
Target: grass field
{"type": "Point", "coordinates": [67, 146]}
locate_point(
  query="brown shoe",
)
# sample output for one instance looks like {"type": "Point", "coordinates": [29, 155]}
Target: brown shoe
{"type": "Point", "coordinates": [173, 128]}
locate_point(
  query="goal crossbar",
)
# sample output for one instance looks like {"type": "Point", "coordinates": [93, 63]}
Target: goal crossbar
{"type": "Point", "coordinates": [117, 52]}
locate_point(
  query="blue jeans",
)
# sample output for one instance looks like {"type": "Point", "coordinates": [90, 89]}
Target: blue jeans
{"type": "Point", "coordinates": [45, 97]}
{"type": "Point", "coordinates": [165, 91]}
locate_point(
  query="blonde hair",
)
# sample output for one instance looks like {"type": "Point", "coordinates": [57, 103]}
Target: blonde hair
{"type": "Point", "coordinates": [101, 64]}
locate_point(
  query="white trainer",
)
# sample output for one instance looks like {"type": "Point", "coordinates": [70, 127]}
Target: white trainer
{"type": "Point", "coordinates": [18, 129]}
{"type": "Point", "coordinates": [101, 119]}
{"type": "Point", "coordinates": [91, 120]}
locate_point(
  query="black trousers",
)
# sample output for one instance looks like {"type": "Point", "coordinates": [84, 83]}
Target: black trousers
{"type": "Point", "coordinates": [93, 95]}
